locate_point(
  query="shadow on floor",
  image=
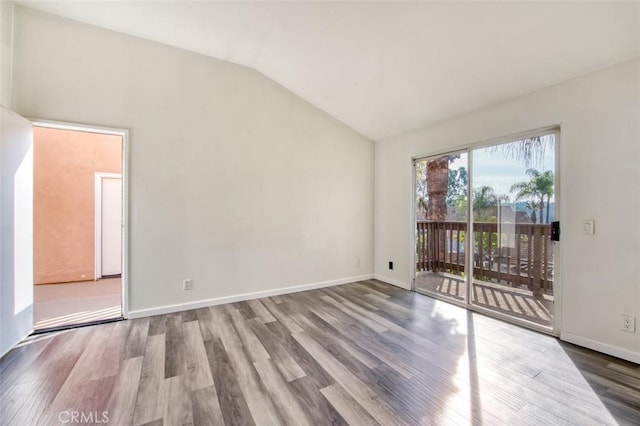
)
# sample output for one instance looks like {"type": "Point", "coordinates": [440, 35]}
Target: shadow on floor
{"type": "Point", "coordinates": [614, 380]}
{"type": "Point", "coordinates": [515, 302]}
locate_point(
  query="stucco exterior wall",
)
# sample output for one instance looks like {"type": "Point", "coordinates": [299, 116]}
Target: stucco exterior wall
{"type": "Point", "coordinates": [64, 166]}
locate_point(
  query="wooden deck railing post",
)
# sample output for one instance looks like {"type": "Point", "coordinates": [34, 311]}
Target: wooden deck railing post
{"type": "Point", "coordinates": [525, 259]}
{"type": "Point", "coordinates": [537, 261]}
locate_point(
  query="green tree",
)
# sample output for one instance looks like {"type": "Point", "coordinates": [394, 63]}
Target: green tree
{"type": "Point", "coordinates": [457, 194]}
{"type": "Point", "coordinates": [533, 206]}
{"type": "Point", "coordinates": [486, 203]}
{"type": "Point", "coordinates": [544, 183]}
{"type": "Point", "coordinates": [537, 191]}
{"type": "Point", "coordinates": [435, 193]}
{"type": "Point", "coordinates": [421, 189]}
{"type": "Point", "coordinates": [458, 181]}
{"type": "Point", "coordinates": [459, 206]}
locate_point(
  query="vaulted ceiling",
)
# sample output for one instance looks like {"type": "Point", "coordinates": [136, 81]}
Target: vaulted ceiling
{"type": "Point", "coordinates": [384, 68]}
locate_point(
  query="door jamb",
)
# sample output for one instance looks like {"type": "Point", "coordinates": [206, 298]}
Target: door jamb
{"type": "Point", "coordinates": [124, 134]}
{"type": "Point", "coordinates": [98, 177]}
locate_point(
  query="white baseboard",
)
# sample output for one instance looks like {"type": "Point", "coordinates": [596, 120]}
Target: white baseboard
{"type": "Point", "coordinates": [166, 309]}
{"type": "Point", "coordinates": [392, 281]}
{"type": "Point", "coordinates": [602, 347]}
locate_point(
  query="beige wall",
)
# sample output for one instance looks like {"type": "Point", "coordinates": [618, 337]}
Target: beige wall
{"type": "Point", "coordinates": [234, 181]}
{"type": "Point", "coordinates": [6, 52]}
{"type": "Point", "coordinates": [64, 166]}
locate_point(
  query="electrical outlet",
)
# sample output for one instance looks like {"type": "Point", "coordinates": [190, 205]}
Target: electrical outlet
{"type": "Point", "coordinates": [629, 323]}
{"type": "Point", "coordinates": [187, 284]}
{"type": "Point", "coordinates": [390, 265]}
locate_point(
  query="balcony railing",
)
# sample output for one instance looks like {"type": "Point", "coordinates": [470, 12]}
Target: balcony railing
{"type": "Point", "coordinates": [517, 255]}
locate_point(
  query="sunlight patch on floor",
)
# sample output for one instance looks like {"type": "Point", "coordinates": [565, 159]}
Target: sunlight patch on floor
{"type": "Point", "coordinates": [80, 317]}
{"type": "Point", "coordinates": [57, 305]}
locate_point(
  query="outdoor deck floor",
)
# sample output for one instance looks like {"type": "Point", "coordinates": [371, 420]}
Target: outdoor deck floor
{"type": "Point", "coordinates": [500, 298]}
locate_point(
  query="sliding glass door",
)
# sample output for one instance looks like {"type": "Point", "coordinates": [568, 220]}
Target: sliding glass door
{"type": "Point", "coordinates": [513, 203]}
{"type": "Point", "coordinates": [441, 225]}
{"type": "Point", "coordinates": [483, 228]}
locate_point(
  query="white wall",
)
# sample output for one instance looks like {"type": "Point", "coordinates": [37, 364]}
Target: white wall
{"type": "Point", "coordinates": [16, 225]}
{"type": "Point", "coordinates": [235, 182]}
{"type": "Point", "coordinates": [6, 40]}
{"type": "Point", "coordinates": [599, 116]}
{"type": "Point", "coordinates": [243, 187]}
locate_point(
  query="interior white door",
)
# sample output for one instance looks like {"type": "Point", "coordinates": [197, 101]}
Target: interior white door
{"type": "Point", "coordinates": [16, 217]}
{"type": "Point", "coordinates": [111, 232]}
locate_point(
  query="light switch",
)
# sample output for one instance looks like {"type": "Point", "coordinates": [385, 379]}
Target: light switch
{"type": "Point", "coordinates": [588, 227]}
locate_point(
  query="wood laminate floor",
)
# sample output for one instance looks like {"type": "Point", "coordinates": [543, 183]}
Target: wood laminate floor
{"type": "Point", "coordinates": [362, 353]}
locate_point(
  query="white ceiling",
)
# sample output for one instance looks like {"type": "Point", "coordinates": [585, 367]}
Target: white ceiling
{"type": "Point", "coordinates": [384, 68]}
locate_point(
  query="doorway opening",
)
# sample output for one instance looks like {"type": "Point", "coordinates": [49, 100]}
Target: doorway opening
{"type": "Point", "coordinates": [77, 225]}
{"type": "Point", "coordinates": [483, 228]}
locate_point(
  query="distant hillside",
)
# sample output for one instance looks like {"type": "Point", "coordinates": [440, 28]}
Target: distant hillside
{"type": "Point", "coordinates": [520, 206]}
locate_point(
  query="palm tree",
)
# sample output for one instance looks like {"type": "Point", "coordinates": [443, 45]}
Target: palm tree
{"type": "Point", "coordinates": [539, 190]}
{"type": "Point", "coordinates": [533, 206]}
{"type": "Point", "coordinates": [544, 184]}
{"type": "Point", "coordinates": [525, 190]}
{"type": "Point", "coordinates": [528, 151]}
{"type": "Point", "coordinates": [437, 188]}
{"type": "Point", "coordinates": [484, 200]}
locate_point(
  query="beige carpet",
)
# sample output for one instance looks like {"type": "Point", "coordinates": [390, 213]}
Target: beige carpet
{"type": "Point", "coordinates": [63, 304]}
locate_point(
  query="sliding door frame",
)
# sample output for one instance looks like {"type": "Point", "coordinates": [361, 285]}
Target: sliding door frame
{"type": "Point", "coordinates": [414, 219]}
{"type": "Point", "coordinates": [557, 281]}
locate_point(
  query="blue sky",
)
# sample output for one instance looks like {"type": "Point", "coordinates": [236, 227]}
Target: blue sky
{"type": "Point", "coordinates": [495, 170]}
